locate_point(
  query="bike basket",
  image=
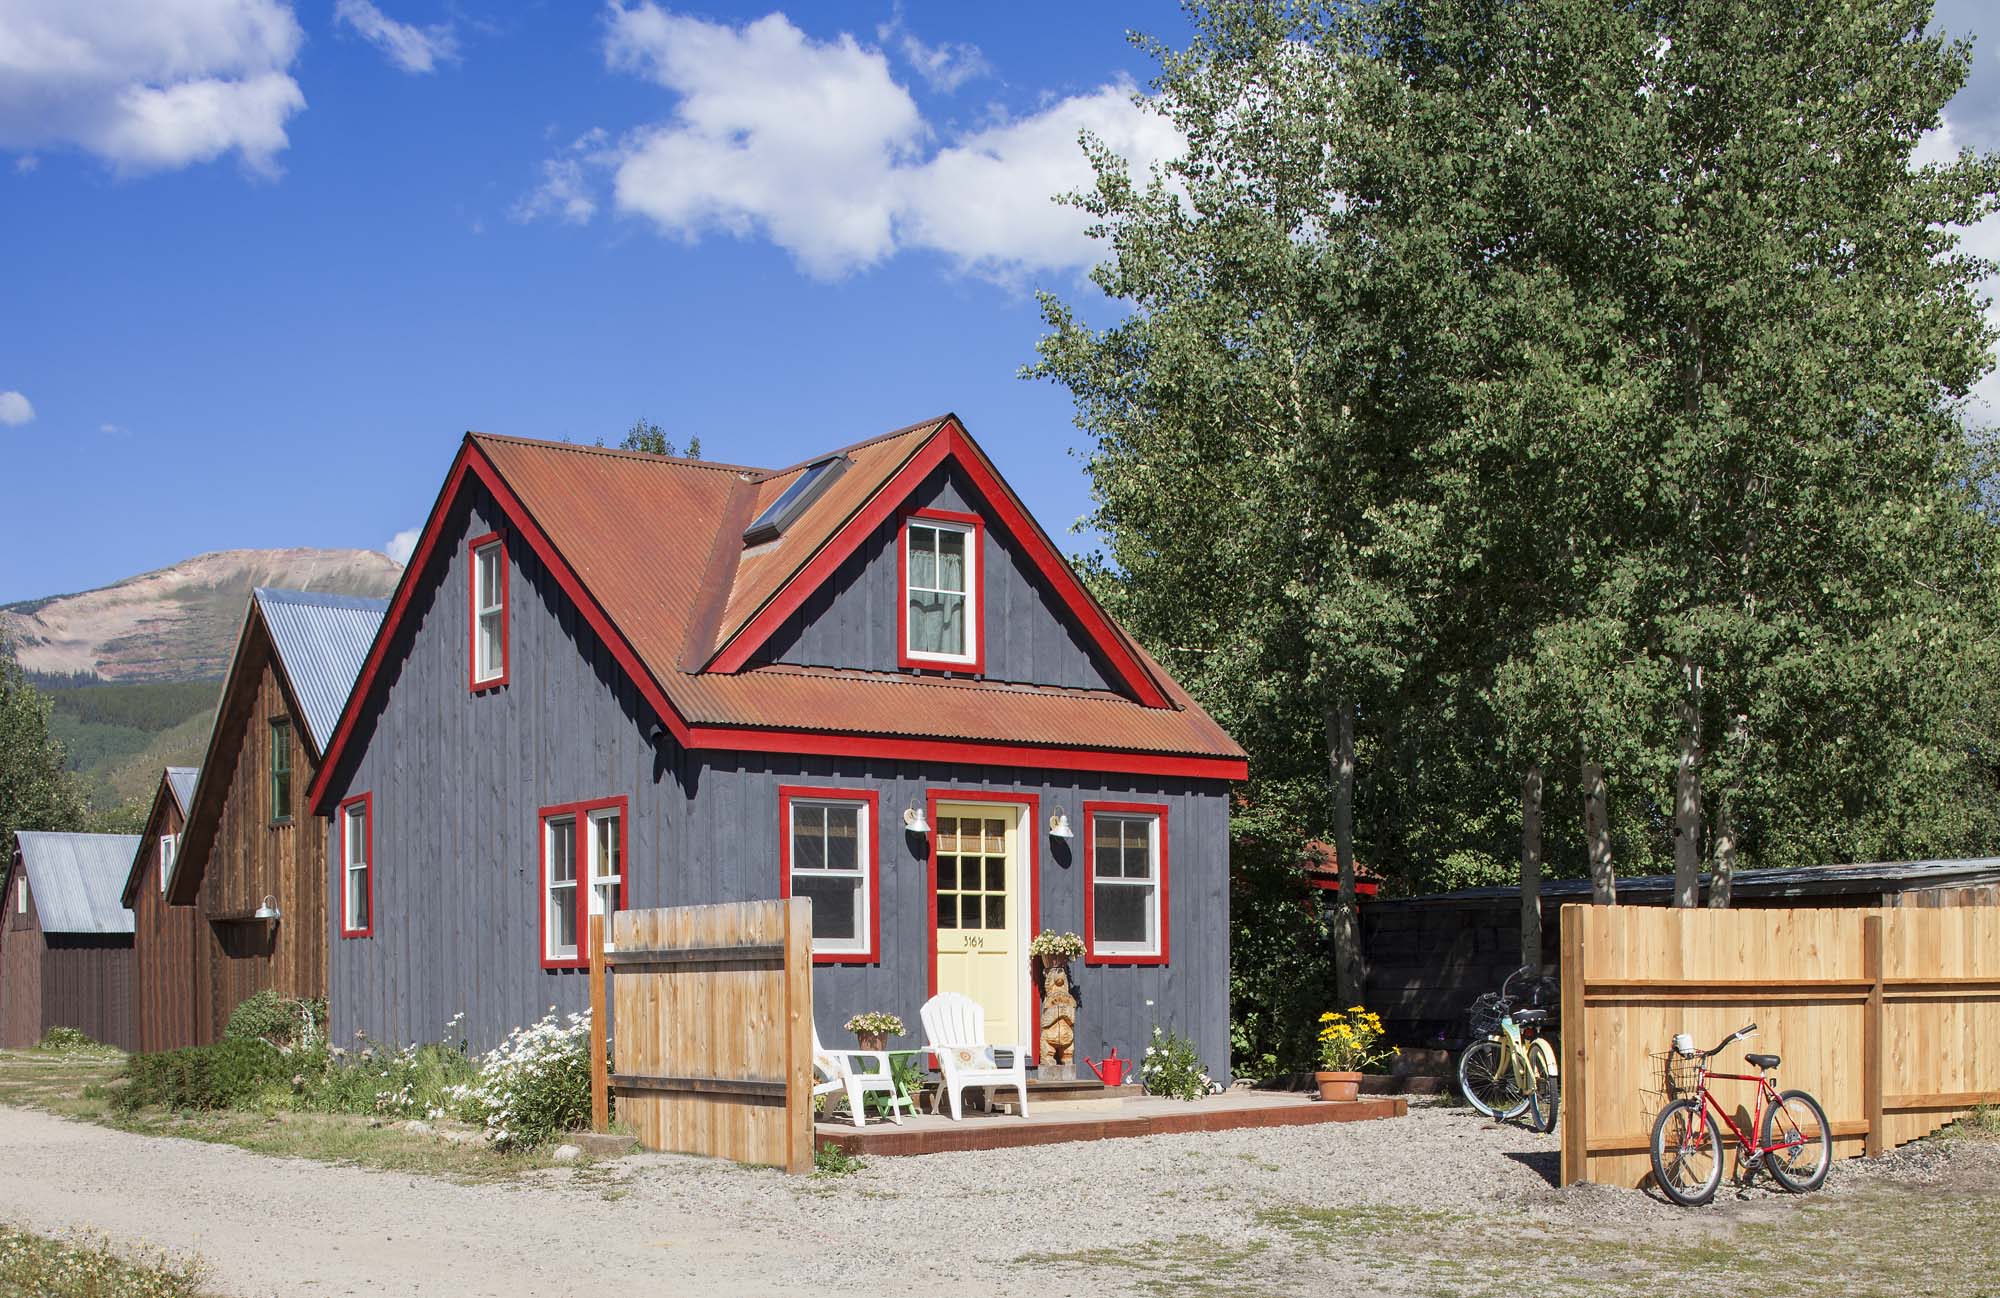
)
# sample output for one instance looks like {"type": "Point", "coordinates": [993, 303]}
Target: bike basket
{"type": "Point", "coordinates": [1483, 1019]}
{"type": "Point", "coordinates": [1680, 1072]}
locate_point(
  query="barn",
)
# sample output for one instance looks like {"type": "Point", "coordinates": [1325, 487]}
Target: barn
{"type": "Point", "coordinates": [611, 679]}
{"type": "Point", "coordinates": [66, 943]}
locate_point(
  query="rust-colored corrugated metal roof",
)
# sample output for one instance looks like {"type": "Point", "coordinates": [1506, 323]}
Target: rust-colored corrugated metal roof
{"type": "Point", "coordinates": [657, 543]}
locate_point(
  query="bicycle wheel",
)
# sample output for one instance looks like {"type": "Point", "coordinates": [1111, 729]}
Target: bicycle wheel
{"type": "Point", "coordinates": [1796, 1125]}
{"type": "Point", "coordinates": [1545, 1097]}
{"type": "Point", "coordinates": [1487, 1082]}
{"type": "Point", "coordinates": [1687, 1157]}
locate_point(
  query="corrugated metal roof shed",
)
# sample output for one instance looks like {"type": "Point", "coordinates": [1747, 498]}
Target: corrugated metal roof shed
{"type": "Point", "coordinates": [321, 641]}
{"type": "Point", "coordinates": [181, 780]}
{"type": "Point", "coordinates": [1802, 881]}
{"type": "Point", "coordinates": [75, 880]}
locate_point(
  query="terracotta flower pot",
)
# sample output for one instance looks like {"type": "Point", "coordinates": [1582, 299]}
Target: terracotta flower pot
{"type": "Point", "coordinates": [870, 1041]}
{"type": "Point", "coordinates": [1338, 1086]}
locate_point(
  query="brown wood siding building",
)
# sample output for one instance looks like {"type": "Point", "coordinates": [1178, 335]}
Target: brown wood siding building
{"type": "Point", "coordinates": [163, 936]}
{"type": "Point", "coordinates": [65, 940]}
{"type": "Point", "coordinates": [250, 837]}
{"type": "Point", "coordinates": [21, 950]}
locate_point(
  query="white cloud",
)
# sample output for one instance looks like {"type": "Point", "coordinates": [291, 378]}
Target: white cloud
{"type": "Point", "coordinates": [26, 163]}
{"type": "Point", "coordinates": [403, 544]}
{"type": "Point", "coordinates": [149, 85]}
{"type": "Point", "coordinates": [945, 66]}
{"type": "Point", "coordinates": [15, 409]}
{"type": "Point", "coordinates": [814, 146]}
{"type": "Point", "coordinates": [413, 49]}
{"type": "Point", "coordinates": [113, 429]}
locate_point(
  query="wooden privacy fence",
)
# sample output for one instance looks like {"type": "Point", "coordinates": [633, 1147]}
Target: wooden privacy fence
{"type": "Point", "coordinates": [1890, 1017]}
{"type": "Point", "coordinates": [711, 1027]}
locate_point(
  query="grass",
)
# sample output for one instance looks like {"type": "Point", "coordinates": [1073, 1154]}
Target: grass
{"type": "Point", "coordinates": [82, 1266]}
{"type": "Point", "coordinates": [79, 1084]}
{"type": "Point", "coordinates": [831, 1160]}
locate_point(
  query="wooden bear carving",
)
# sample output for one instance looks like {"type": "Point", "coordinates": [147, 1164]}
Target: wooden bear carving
{"type": "Point", "coordinates": [1058, 1016]}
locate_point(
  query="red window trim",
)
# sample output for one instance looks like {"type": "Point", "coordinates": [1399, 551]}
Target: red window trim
{"type": "Point", "coordinates": [366, 801]}
{"type": "Point", "coordinates": [581, 811]}
{"type": "Point", "coordinates": [1091, 954]}
{"type": "Point", "coordinates": [786, 794]}
{"type": "Point", "coordinates": [1031, 830]}
{"type": "Point", "coordinates": [472, 549]}
{"type": "Point", "coordinates": [975, 596]}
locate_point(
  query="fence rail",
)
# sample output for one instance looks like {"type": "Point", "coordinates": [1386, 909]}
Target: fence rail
{"type": "Point", "coordinates": [710, 1016]}
{"type": "Point", "coordinates": [1891, 1017]}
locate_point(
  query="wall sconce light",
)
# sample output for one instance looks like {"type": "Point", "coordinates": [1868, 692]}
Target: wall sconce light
{"type": "Point", "coordinates": [1059, 824]}
{"type": "Point", "coordinates": [267, 911]}
{"type": "Point", "coordinates": [913, 819]}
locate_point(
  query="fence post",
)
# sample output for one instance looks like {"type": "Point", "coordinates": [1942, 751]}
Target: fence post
{"type": "Point", "coordinates": [1575, 1125]}
{"type": "Point", "coordinates": [600, 1082]}
{"type": "Point", "coordinates": [1873, 1047]}
{"type": "Point", "coordinates": [797, 1022]}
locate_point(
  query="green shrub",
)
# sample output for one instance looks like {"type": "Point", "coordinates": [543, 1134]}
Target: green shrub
{"type": "Point", "coordinates": [414, 1081]}
{"type": "Point", "coordinates": [279, 1020]}
{"type": "Point", "coordinates": [63, 1040]}
{"type": "Point", "coordinates": [88, 1267]}
{"type": "Point", "coordinates": [220, 1076]}
{"type": "Point", "coordinates": [831, 1160]}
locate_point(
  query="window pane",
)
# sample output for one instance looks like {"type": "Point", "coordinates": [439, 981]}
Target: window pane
{"type": "Point", "coordinates": [996, 912]}
{"type": "Point", "coordinates": [607, 860]}
{"type": "Point", "coordinates": [950, 560]}
{"type": "Point", "coordinates": [489, 576]}
{"type": "Point", "coordinates": [562, 920]}
{"type": "Point", "coordinates": [357, 837]}
{"type": "Point", "coordinates": [947, 910]}
{"type": "Point", "coordinates": [1138, 849]}
{"type": "Point", "coordinates": [843, 835]}
{"type": "Point", "coordinates": [1107, 853]}
{"type": "Point", "coordinates": [489, 644]}
{"type": "Point", "coordinates": [1122, 913]}
{"type": "Point", "coordinates": [947, 873]}
{"type": "Point", "coordinates": [950, 625]}
{"type": "Point", "coordinates": [947, 834]}
{"type": "Point", "coordinates": [562, 851]}
{"type": "Point", "coordinates": [808, 838]}
{"type": "Point", "coordinates": [996, 874]}
{"type": "Point", "coordinates": [357, 899]}
{"type": "Point", "coordinates": [836, 906]}
{"type": "Point", "coordinates": [923, 557]}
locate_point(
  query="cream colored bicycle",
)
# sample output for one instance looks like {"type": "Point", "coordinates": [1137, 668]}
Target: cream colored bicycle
{"type": "Point", "coordinates": [1513, 1071]}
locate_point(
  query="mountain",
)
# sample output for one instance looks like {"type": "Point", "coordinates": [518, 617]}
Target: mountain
{"type": "Point", "coordinates": [177, 623]}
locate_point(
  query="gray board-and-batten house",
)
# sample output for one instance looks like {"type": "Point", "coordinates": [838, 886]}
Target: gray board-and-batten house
{"type": "Point", "coordinates": [611, 679]}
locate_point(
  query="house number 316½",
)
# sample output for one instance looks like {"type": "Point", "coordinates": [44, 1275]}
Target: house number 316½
{"type": "Point", "coordinates": [971, 941]}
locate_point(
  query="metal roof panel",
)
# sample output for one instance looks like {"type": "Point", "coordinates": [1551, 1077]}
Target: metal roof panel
{"type": "Point", "coordinates": [321, 641]}
{"type": "Point", "coordinates": [75, 879]}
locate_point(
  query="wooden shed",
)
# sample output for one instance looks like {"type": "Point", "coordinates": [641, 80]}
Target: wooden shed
{"type": "Point", "coordinates": [163, 934]}
{"type": "Point", "coordinates": [252, 857]}
{"type": "Point", "coordinates": [1429, 956]}
{"type": "Point", "coordinates": [66, 942]}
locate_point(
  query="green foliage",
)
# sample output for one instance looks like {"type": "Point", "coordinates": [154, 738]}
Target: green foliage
{"type": "Point", "coordinates": [282, 1021]}
{"type": "Point", "coordinates": [128, 817]}
{"type": "Point", "coordinates": [227, 1074]}
{"type": "Point", "coordinates": [415, 1081]}
{"type": "Point", "coordinates": [1171, 1067]}
{"type": "Point", "coordinates": [831, 1160]}
{"type": "Point", "coordinates": [61, 1040]}
{"type": "Point", "coordinates": [84, 1266]}
{"type": "Point", "coordinates": [36, 790]}
{"type": "Point", "coordinates": [644, 435]}
{"type": "Point", "coordinates": [535, 1085]}
{"type": "Point", "coordinates": [1281, 952]}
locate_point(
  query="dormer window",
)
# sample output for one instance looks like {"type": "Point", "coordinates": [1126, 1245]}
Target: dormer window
{"type": "Point", "coordinates": [489, 612]}
{"type": "Point", "coordinates": [793, 500]}
{"type": "Point", "coordinates": [940, 610]}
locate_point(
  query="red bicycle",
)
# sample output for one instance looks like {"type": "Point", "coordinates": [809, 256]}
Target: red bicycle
{"type": "Point", "coordinates": [1794, 1139]}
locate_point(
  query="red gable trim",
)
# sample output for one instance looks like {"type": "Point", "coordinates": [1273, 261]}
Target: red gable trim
{"type": "Point", "coordinates": [949, 442]}
{"type": "Point", "coordinates": [473, 463]}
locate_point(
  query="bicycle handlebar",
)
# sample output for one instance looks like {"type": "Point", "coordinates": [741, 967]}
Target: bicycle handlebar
{"type": "Point", "coordinates": [1747, 1030]}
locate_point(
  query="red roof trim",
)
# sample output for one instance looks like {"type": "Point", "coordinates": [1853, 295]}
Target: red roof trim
{"type": "Point", "coordinates": [949, 442]}
{"type": "Point", "coordinates": [970, 751]}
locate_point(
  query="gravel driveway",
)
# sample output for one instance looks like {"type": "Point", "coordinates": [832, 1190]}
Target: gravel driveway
{"type": "Point", "coordinates": [1172, 1213]}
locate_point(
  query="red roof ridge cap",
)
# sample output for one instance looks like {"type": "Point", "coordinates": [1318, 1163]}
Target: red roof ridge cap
{"type": "Point", "coordinates": [934, 423]}
{"type": "Point", "coordinates": [644, 457]}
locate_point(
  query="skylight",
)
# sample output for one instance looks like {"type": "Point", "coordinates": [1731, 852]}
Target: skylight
{"type": "Point", "coordinates": [792, 502]}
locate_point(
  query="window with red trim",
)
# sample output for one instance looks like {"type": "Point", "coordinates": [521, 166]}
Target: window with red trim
{"type": "Point", "coordinates": [357, 866]}
{"type": "Point", "coordinates": [827, 852]}
{"type": "Point", "coordinates": [583, 874]}
{"type": "Point", "coordinates": [940, 618]}
{"type": "Point", "coordinates": [489, 611]}
{"type": "Point", "coordinates": [1125, 898]}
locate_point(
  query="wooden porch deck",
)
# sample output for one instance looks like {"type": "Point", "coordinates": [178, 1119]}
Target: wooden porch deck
{"type": "Point", "coordinates": [1141, 1116]}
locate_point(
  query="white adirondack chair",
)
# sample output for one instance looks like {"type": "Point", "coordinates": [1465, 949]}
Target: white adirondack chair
{"type": "Point", "coordinates": [955, 1026]}
{"type": "Point", "coordinates": [842, 1072]}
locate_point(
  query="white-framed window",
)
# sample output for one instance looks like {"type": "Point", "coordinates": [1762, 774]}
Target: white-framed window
{"type": "Point", "coordinates": [829, 857]}
{"type": "Point", "coordinates": [1128, 883]}
{"type": "Point", "coordinates": [357, 866]}
{"type": "Point", "coordinates": [583, 874]}
{"type": "Point", "coordinates": [169, 845]}
{"type": "Point", "coordinates": [940, 590]}
{"type": "Point", "coordinates": [489, 612]}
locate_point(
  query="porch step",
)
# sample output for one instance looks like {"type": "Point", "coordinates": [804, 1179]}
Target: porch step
{"type": "Point", "coordinates": [1081, 1095]}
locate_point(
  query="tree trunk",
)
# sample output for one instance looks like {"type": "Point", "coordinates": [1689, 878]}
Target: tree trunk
{"type": "Point", "coordinates": [1531, 866]}
{"type": "Point", "coordinates": [1597, 833]}
{"type": "Point", "coordinates": [1687, 794]}
{"type": "Point", "coordinates": [1346, 931]}
{"type": "Point", "coordinates": [1725, 853]}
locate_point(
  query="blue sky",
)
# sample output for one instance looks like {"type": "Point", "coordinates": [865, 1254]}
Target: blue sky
{"type": "Point", "coordinates": [265, 261]}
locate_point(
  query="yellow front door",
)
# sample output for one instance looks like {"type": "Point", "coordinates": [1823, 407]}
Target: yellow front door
{"type": "Point", "coordinates": [980, 950]}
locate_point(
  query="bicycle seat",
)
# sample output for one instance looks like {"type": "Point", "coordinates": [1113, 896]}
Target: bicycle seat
{"type": "Point", "coordinates": [1762, 1061]}
{"type": "Point", "coordinates": [1530, 1016]}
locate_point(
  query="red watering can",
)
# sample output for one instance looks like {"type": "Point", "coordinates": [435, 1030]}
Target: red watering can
{"type": "Point", "coordinates": [1111, 1070]}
